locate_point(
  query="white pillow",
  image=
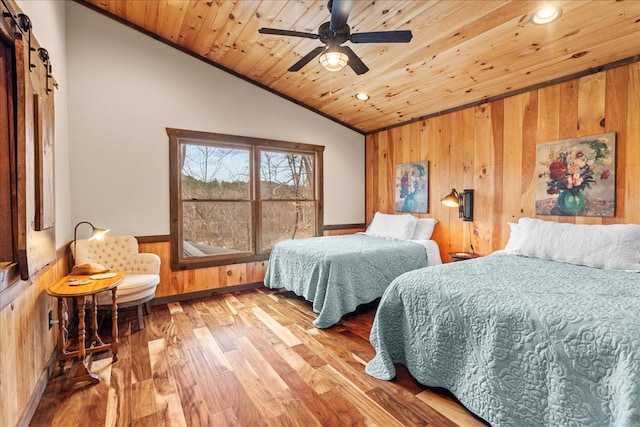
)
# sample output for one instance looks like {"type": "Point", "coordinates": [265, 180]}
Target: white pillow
{"type": "Point", "coordinates": [514, 238]}
{"type": "Point", "coordinates": [424, 228]}
{"type": "Point", "coordinates": [615, 246]}
{"type": "Point", "coordinates": [392, 226]}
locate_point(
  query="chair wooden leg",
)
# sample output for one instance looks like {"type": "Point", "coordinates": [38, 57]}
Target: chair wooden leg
{"type": "Point", "coordinates": [140, 317]}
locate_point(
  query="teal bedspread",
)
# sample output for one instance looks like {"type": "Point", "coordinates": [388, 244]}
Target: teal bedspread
{"type": "Point", "coordinates": [519, 341]}
{"type": "Point", "coordinates": [338, 273]}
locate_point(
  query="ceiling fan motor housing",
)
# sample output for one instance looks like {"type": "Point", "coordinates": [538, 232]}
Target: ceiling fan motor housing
{"type": "Point", "coordinates": [338, 37]}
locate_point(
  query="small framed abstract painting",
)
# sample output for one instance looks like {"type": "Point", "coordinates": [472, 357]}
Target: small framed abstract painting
{"type": "Point", "coordinates": [577, 176]}
{"type": "Point", "coordinates": [412, 190]}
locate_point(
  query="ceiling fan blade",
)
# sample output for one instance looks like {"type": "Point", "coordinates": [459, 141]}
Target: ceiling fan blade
{"type": "Point", "coordinates": [306, 59]}
{"type": "Point", "coordinates": [340, 10]}
{"type": "Point", "coordinates": [354, 61]}
{"type": "Point", "coordinates": [278, 32]}
{"type": "Point", "coordinates": [402, 36]}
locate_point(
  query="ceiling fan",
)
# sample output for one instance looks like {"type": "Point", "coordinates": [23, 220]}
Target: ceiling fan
{"type": "Point", "coordinates": [333, 34]}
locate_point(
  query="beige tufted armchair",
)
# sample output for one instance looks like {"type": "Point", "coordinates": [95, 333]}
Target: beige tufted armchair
{"type": "Point", "coordinates": [120, 252]}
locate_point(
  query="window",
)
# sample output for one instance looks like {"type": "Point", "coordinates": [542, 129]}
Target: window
{"type": "Point", "coordinates": [233, 198]}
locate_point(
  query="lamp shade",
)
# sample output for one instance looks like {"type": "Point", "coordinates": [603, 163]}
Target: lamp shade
{"type": "Point", "coordinates": [333, 58]}
{"type": "Point", "coordinates": [98, 233]}
{"type": "Point", "coordinates": [452, 199]}
{"type": "Point", "coordinates": [463, 201]}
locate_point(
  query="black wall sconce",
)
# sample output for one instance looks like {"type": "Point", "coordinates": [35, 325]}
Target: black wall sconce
{"type": "Point", "coordinates": [464, 203]}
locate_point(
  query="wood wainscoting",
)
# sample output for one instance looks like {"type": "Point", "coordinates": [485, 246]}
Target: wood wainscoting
{"type": "Point", "coordinates": [212, 280]}
{"type": "Point", "coordinates": [27, 342]}
{"type": "Point", "coordinates": [173, 284]}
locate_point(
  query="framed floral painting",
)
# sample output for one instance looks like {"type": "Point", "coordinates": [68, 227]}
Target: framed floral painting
{"type": "Point", "coordinates": [412, 192]}
{"type": "Point", "coordinates": [577, 176]}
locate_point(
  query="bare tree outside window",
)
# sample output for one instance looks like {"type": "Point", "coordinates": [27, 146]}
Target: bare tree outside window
{"type": "Point", "coordinates": [234, 198]}
{"type": "Point", "coordinates": [215, 181]}
{"type": "Point", "coordinates": [287, 183]}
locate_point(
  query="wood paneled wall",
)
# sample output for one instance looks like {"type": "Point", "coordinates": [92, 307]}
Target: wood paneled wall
{"type": "Point", "coordinates": [491, 148]}
{"type": "Point", "coordinates": [176, 283]}
{"type": "Point", "coordinates": [27, 345]}
{"type": "Point", "coordinates": [173, 283]}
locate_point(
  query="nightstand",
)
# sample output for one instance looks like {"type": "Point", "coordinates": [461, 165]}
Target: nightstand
{"type": "Point", "coordinates": [462, 256]}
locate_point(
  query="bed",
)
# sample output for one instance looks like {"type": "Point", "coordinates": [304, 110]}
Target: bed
{"type": "Point", "coordinates": [528, 336]}
{"type": "Point", "coordinates": [339, 273]}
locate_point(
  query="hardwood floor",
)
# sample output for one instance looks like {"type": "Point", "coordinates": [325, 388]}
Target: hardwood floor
{"type": "Point", "coordinates": [250, 358]}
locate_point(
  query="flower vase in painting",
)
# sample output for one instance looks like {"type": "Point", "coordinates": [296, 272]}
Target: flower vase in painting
{"type": "Point", "coordinates": [411, 187]}
{"type": "Point", "coordinates": [576, 177]}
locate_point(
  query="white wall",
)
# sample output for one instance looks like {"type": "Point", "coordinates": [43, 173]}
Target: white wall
{"type": "Point", "coordinates": [125, 88]}
{"type": "Point", "coordinates": [48, 20]}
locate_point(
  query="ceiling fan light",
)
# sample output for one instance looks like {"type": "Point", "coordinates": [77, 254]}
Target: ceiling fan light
{"type": "Point", "coordinates": [333, 59]}
{"type": "Point", "coordinates": [546, 15]}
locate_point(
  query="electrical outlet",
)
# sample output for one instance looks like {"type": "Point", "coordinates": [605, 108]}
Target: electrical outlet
{"type": "Point", "coordinates": [50, 319]}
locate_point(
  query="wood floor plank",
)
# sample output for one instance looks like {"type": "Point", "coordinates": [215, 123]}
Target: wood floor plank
{"type": "Point", "coordinates": [121, 388]}
{"type": "Point", "coordinates": [69, 413]}
{"type": "Point", "coordinates": [225, 418]}
{"type": "Point", "coordinates": [450, 408]}
{"type": "Point", "coordinates": [144, 398]}
{"type": "Point", "coordinates": [407, 409]}
{"type": "Point", "coordinates": [340, 358]}
{"type": "Point", "coordinates": [250, 358]}
{"type": "Point", "coordinates": [306, 393]}
{"type": "Point", "coordinates": [111, 415]}
{"type": "Point", "coordinates": [170, 408]}
{"type": "Point", "coordinates": [230, 395]}
{"type": "Point", "coordinates": [371, 412]}
{"type": "Point", "coordinates": [254, 385]}
{"type": "Point", "coordinates": [223, 323]}
{"type": "Point", "coordinates": [193, 407]}
{"type": "Point", "coordinates": [174, 307]}
{"type": "Point", "coordinates": [138, 361]}
{"type": "Point", "coordinates": [94, 397]}
{"type": "Point", "coordinates": [167, 400]}
{"type": "Point", "coordinates": [268, 375]}
{"type": "Point", "coordinates": [192, 313]}
{"type": "Point", "coordinates": [285, 334]}
{"type": "Point", "coordinates": [215, 312]}
{"type": "Point", "coordinates": [212, 351]}
{"type": "Point", "coordinates": [295, 414]}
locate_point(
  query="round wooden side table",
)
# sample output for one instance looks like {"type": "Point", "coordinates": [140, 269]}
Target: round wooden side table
{"type": "Point", "coordinates": [80, 287]}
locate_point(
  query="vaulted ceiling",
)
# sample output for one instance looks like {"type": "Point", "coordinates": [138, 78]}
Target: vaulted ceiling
{"type": "Point", "coordinates": [463, 52]}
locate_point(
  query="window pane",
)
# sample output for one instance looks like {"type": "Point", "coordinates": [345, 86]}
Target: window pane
{"type": "Point", "coordinates": [286, 176]}
{"type": "Point", "coordinates": [210, 172]}
{"type": "Point", "coordinates": [214, 228]}
{"type": "Point", "coordinates": [286, 220]}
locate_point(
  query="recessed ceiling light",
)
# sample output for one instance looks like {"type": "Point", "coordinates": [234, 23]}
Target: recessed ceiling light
{"type": "Point", "coordinates": [546, 15]}
{"type": "Point", "coordinates": [362, 96]}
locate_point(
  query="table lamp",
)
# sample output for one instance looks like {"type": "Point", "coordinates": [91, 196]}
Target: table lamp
{"type": "Point", "coordinates": [96, 233]}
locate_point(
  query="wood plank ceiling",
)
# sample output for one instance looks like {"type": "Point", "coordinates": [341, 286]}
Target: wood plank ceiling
{"type": "Point", "coordinates": [462, 52]}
